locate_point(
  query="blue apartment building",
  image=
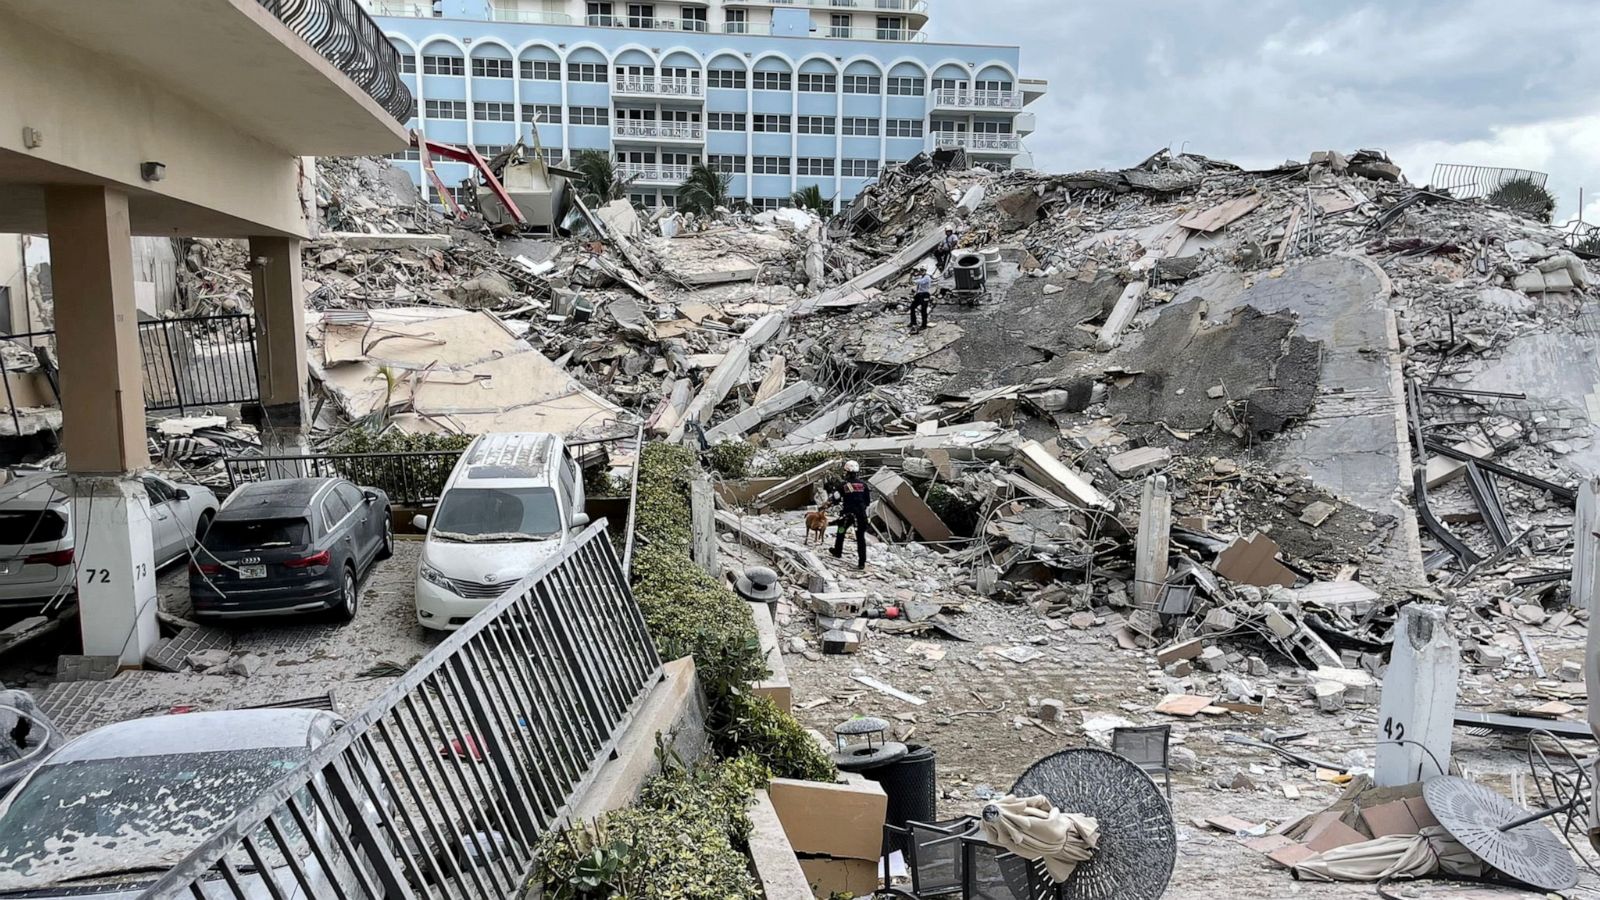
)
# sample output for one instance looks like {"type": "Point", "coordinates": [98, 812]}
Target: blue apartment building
{"type": "Point", "coordinates": [778, 94]}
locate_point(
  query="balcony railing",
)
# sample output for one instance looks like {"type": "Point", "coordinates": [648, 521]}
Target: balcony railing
{"type": "Point", "coordinates": [403, 10]}
{"type": "Point", "coordinates": [949, 98]}
{"type": "Point", "coordinates": [655, 86]}
{"type": "Point", "coordinates": [347, 37]}
{"type": "Point", "coordinates": [992, 143]}
{"type": "Point", "coordinates": [840, 32]}
{"type": "Point", "coordinates": [529, 16]}
{"type": "Point", "coordinates": [735, 27]}
{"type": "Point", "coordinates": [660, 131]}
{"type": "Point", "coordinates": [653, 174]}
{"type": "Point", "coordinates": [904, 6]}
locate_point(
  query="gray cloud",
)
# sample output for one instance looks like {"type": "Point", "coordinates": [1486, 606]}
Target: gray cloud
{"type": "Point", "coordinates": [1260, 81]}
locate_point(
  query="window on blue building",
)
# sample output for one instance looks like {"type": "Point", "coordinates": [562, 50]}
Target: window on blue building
{"type": "Point", "coordinates": [541, 113]}
{"type": "Point", "coordinates": [863, 84]}
{"type": "Point", "coordinates": [726, 78]}
{"type": "Point", "coordinates": [907, 86]}
{"type": "Point", "coordinates": [818, 83]}
{"type": "Point", "coordinates": [859, 168]}
{"type": "Point", "coordinates": [772, 81]}
{"type": "Point", "coordinates": [444, 65]}
{"type": "Point", "coordinates": [445, 109]}
{"type": "Point", "coordinates": [861, 126]}
{"type": "Point", "coordinates": [905, 128]}
{"type": "Point", "coordinates": [816, 166]}
{"type": "Point", "coordinates": [772, 122]}
{"type": "Point", "coordinates": [586, 71]}
{"type": "Point", "coordinates": [494, 112]}
{"type": "Point", "coordinates": [491, 67]}
{"type": "Point", "coordinates": [815, 125]}
{"type": "Point", "coordinates": [725, 121]}
{"type": "Point", "coordinates": [541, 70]}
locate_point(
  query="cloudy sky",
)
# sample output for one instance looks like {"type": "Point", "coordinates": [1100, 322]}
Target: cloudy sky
{"type": "Point", "coordinates": [1483, 82]}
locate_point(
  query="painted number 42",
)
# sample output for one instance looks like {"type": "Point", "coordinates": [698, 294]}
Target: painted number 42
{"type": "Point", "coordinates": [1394, 731]}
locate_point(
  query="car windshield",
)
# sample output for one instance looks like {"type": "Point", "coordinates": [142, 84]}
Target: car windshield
{"type": "Point", "coordinates": [31, 527]}
{"type": "Point", "coordinates": [257, 534]}
{"type": "Point", "coordinates": [481, 515]}
{"type": "Point", "coordinates": [83, 819]}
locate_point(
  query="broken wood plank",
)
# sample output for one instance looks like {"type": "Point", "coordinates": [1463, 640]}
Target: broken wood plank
{"type": "Point", "coordinates": [1154, 543]}
{"type": "Point", "coordinates": [1121, 317]}
{"type": "Point", "coordinates": [703, 526]}
{"type": "Point", "coordinates": [892, 691]}
{"type": "Point", "coordinates": [1222, 215]}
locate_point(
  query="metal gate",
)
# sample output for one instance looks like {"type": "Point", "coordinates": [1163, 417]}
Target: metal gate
{"type": "Point", "coordinates": [199, 361]}
{"type": "Point", "coordinates": [187, 362]}
{"type": "Point", "coordinates": [443, 786]}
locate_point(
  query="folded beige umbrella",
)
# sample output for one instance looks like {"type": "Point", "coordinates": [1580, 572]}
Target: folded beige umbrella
{"type": "Point", "coordinates": [1032, 828]}
{"type": "Point", "coordinates": [1396, 856]}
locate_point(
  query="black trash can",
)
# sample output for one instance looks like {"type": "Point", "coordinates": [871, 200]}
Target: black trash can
{"type": "Point", "coordinates": [912, 789]}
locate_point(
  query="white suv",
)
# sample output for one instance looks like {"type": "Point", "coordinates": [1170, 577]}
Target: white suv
{"type": "Point", "coordinates": [512, 500]}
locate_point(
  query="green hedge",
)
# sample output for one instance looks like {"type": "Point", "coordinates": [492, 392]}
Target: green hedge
{"type": "Point", "coordinates": [683, 840]}
{"type": "Point", "coordinates": [692, 614]}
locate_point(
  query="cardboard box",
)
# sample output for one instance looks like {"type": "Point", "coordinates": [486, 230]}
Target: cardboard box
{"type": "Point", "coordinates": [829, 876]}
{"type": "Point", "coordinates": [844, 821]}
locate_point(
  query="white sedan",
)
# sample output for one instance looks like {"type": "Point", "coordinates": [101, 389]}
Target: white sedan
{"type": "Point", "coordinates": [36, 551]}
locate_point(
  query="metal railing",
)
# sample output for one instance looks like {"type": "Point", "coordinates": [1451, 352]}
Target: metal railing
{"type": "Point", "coordinates": [996, 143]}
{"type": "Point", "coordinates": [190, 362]}
{"type": "Point", "coordinates": [346, 36]}
{"type": "Point", "coordinates": [908, 6]}
{"type": "Point", "coordinates": [653, 174]}
{"type": "Point", "coordinates": [658, 86]}
{"type": "Point", "coordinates": [1472, 182]}
{"type": "Point", "coordinates": [868, 33]}
{"type": "Point", "coordinates": [414, 478]}
{"type": "Point", "coordinates": [199, 361]}
{"type": "Point", "coordinates": [950, 98]}
{"type": "Point", "coordinates": [529, 16]}
{"type": "Point", "coordinates": [401, 10]}
{"type": "Point", "coordinates": [443, 786]}
{"type": "Point", "coordinates": [669, 131]}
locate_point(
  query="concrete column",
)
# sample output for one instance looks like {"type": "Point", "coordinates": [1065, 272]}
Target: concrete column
{"type": "Point", "coordinates": [279, 298]}
{"type": "Point", "coordinates": [1418, 706]}
{"type": "Point", "coordinates": [1154, 543]}
{"type": "Point", "coordinates": [114, 553]}
{"type": "Point", "coordinates": [97, 338]}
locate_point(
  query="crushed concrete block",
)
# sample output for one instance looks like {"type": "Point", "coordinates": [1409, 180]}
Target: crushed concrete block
{"type": "Point", "coordinates": [1279, 624]}
{"type": "Point", "coordinates": [1329, 695]}
{"type": "Point", "coordinates": [1530, 613]}
{"type": "Point", "coordinates": [1082, 621]}
{"type": "Point", "coordinates": [207, 659]}
{"type": "Point", "coordinates": [1183, 650]}
{"type": "Point", "coordinates": [1318, 512]}
{"type": "Point", "coordinates": [1140, 461]}
{"type": "Point", "coordinates": [1219, 620]}
{"type": "Point", "coordinates": [1182, 759]}
{"type": "Point", "coordinates": [1491, 656]}
{"type": "Point", "coordinates": [244, 664]}
{"type": "Point", "coordinates": [1180, 669]}
{"type": "Point", "coordinates": [74, 667]}
{"type": "Point", "coordinates": [839, 641]}
{"type": "Point", "coordinates": [838, 606]}
{"type": "Point", "coordinates": [1571, 671]}
{"type": "Point", "coordinates": [1257, 667]}
{"type": "Point", "coordinates": [1051, 710]}
{"type": "Point", "coordinates": [1212, 659]}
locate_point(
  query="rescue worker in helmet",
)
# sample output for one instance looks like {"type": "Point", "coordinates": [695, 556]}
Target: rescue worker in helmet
{"type": "Point", "coordinates": [854, 496]}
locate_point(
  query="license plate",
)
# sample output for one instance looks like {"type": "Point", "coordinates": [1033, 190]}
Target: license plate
{"type": "Point", "coordinates": [252, 571]}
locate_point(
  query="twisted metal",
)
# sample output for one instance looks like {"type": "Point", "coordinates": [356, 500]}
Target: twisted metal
{"type": "Point", "coordinates": [346, 36]}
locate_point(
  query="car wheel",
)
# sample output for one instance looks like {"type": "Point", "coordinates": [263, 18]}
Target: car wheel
{"type": "Point", "coordinates": [349, 595]}
{"type": "Point", "coordinates": [202, 525]}
{"type": "Point", "coordinates": [387, 550]}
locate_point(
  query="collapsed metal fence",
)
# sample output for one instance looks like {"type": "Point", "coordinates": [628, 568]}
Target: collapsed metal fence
{"type": "Point", "coordinates": [444, 785]}
{"type": "Point", "coordinates": [414, 478]}
{"type": "Point", "coordinates": [1475, 182]}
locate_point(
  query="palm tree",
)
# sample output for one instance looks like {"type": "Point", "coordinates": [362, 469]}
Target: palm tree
{"type": "Point", "coordinates": [597, 181]}
{"type": "Point", "coordinates": [810, 197]}
{"type": "Point", "coordinates": [704, 190]}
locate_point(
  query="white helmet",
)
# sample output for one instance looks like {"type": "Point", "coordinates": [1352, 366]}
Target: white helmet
{"type": "Point", "coordinates": [851, 465]}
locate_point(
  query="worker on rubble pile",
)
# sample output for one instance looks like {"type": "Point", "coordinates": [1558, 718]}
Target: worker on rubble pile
{"type": "Point", "coordinates": [854, 495]}
{"type": "Point", "coordinates": [945, 249]}
{"type": "Point", "coordinates": [921, 298]}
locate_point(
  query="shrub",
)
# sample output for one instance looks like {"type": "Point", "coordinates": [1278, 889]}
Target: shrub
{"type": "Point", "coordinates": [731, 459]}
{"type": "Point", "coordinates": [682, 840]}
{"type": "Point", "coordinates": [421, 476]}
{"type": "Point", "coordinates": [1525, 196]}
{"type": "Point", "coordinates": [692, 614]}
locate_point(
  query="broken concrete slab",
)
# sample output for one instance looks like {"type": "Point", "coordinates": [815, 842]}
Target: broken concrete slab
{"type": "Point", "coordinates": [748, 418]}
{"type": "Point", "coordinates": [902, 498]}
{"type": "Point", "coordinates": [1044, 469]}
{"type": "Point", "coordinates": [1254, 560]}
{"type": "Point", "coordinates": [1121, 316]}
{"type": "Point", "coordinates": [1140, 461]}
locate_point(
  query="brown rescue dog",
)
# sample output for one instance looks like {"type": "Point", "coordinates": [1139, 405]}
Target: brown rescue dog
{"type": "Point", "coordinates": [817, 526]}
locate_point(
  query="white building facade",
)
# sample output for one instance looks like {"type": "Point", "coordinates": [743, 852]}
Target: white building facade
{"type": "Point", "coordinates": [779, 95]}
